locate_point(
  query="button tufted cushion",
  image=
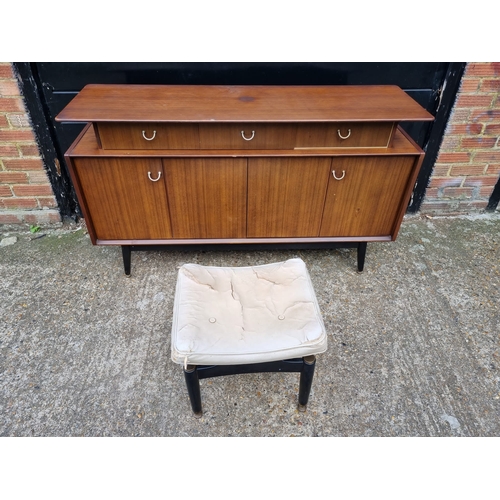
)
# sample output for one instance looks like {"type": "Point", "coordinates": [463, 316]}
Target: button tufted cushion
{"type": "Point", "coordinates": [239, 315]}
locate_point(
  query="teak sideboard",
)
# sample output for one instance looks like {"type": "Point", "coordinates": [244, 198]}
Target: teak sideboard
{"type": "Point", "coordinates": [190, 165]}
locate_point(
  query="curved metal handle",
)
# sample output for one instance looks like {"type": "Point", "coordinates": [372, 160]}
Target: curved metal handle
{"type": "Point", "coordinates": [248, 138]}
{"type": "Point", "coordinates": [154, 180]}
{"type": "Point", "coordinates": [148, 138]}
{"type": "Point", "coordinates": [338, 178]}
{"type": "Point", "coordinates": [347, 136]}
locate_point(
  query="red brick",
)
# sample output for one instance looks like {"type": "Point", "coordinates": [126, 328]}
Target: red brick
{"type": "Point", "coordinates": [477, 142]}
{"type": "Point", "coordinates": [16, 135]}
{"type": "Point", "coordinates": [458, 192]}
{"type": "Point", "coordinates": [490, 85]}
{"type": "Point", "coordinates": [19, 120]}
{"type": "Point", "coordinates": [54, 217]}
{"type": "Point", "coordinates": [29, 150]}
{"type": "Point", "coordinates": [486, 157]}
{"type": "Point", "coordinates": [453, 157]}
{"type": "Point", "coordinates": [469, 85]}
{"type": "Point", "coordinates": [3, 122]}
{"type": "Point", "coordinates": [450, 143]}
{"type": "Point", "coordinates": [32, 190]}
{"type": "Point", "coordinates": [8, 150]}
{"type": "Point", "coordinates": [485, 116]}
{"type": "Point", "coordinates": [13, 178]}
{"type": "Point", "coordinates": [441, 206]}
{"type": "Point", "coordinates": [474, 101]}
{"type": "Point", "coordinates": [496, 104]}
{"type": "Point", "coordinates": [38, 177]}
{"type": "Point", "coordinates": [492, 129]}
{"type": "Point", "coordinates": [6, 71]}
{"type": "Point", "coordinates": [474, 204]}
{"type": "Point", "coordinates": [493, 168]}
{"type": "Point", "coordinates": [442, 182]}
{"type": "Point", "coordinates": [470, 169]}
{"type": "Point", "coordinates": [484, 180]}
{"type": "Point", "coordinates": [465, 129]}
{"type": "Point", "coordinates": [431, 192]}
{"type": "Point", "coordinates": [23, 164]}
{"type": "Point", "coordinates": [49, 202]}
{"type": "Point", "coordinates": [483, 69]}
{"type": "Point", "coordinates": [9, 88]}
{"type": "Point", "coordinates": [42, 217]}
{"type": "Point", "coordinates": [485, 192]}
{"type": "Point", "coordinates": [31, 218]}
{"type": "Point", "coordinates": [5, 191]}
{"type": "Point", "coordinates": [460, 115]}
{"type": "Point", "coordinates": [20, 203]}
{"type": "Point", "coordinates": [6, 218]}
{"type": "Point", "coordinates": [10, 104]}
{"type": "Point", "coordinates": [441, 170]}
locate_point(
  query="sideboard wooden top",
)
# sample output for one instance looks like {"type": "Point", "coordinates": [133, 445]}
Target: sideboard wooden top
{"type": "Point", "coordinates": [210, 103]}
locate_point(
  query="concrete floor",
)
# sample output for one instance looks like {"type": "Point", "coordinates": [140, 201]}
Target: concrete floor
{"type": "Point", "coordinates": [414, 340]}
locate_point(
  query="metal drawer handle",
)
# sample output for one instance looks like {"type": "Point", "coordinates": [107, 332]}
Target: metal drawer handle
{"type": "Point", "coordinates": [148, 138]}
{"type": "Point", "coordinates": [246, 138]}
{"type": "Point", "coordinates": [154, 180]}
{"type": "Point", "coordinates": [347, 136]}
{"type": "Point", "coordinates": [338, 178]}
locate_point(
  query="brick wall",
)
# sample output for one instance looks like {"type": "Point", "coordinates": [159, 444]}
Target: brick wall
{"type": "Point", "coordinates": [26, 195]}
{"type": "Point", "coordinates": [468, 164]}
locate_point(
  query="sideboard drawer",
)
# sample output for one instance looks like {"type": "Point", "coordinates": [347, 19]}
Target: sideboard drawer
{"type": "Point", "coordinates": [247, 136]}
{"type": "Point", "coordinates": [344, 135]}
{"type": "Point", "coordinates": [148, 136]}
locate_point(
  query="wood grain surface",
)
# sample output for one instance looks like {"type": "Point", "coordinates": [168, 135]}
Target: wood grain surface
{"type": "Point", "coordinates": [207, 197]}
{"type": "Point", "coordinates": [206, 103]}
{"type": "Point", "coordinates": [121, 200]}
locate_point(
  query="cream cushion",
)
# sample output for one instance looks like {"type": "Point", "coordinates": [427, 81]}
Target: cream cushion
{"type": "Point", "coordinates": [239, 315]}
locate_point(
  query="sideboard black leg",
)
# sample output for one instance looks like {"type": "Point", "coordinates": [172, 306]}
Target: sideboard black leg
{"type": "Point", "coordinates": [127, 255]}
{"type": "Point", "coordinates": [361, 255]}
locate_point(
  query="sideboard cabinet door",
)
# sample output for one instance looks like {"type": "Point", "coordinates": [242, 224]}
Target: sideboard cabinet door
{"type": "Point", "coordinates": [125, 197]}
{"type": "Point", "coordinates": [365, 194]}
{"type": "Point", "coordinates": [207, 197]}
{"type": "Point", "coordinates": [286, 196]}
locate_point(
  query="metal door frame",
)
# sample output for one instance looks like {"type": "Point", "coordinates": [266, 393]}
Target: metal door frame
{"type": "Point", "coordinates": [31, 88]}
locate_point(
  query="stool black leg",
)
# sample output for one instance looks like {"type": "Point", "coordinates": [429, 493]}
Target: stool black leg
{"type": "Point", "coordinates": [306, 378]}
{"type": "Point", "coordinates": [193, 387]}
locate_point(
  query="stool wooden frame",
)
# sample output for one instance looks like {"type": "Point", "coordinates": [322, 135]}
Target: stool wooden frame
{"type": "Point", "coordinates": [194, 373]}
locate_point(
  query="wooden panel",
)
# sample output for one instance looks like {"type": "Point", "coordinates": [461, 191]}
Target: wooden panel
{"type": "Point", "coordinates": [344, 135]}
{"type": "Point", "coordinates": [207, 197]}
{"type": "Point", "coordinates": [148, 136]}
{"type": "Point", "coordinates": [367, 199]}
{"type": "Point", "coordinates": [247, 136]}
{"type": "Point", "coordinates": [121, 200]}
{"type": "Point", "coordinates": [286, 196]}
{"type": "Point", "coordinates": [209, 103]}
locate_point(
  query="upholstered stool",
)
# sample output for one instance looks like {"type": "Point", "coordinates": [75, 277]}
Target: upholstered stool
{"type": "Point", "coordinates": [231, 320]}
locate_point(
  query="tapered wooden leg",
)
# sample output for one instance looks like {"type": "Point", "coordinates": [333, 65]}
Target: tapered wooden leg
{"type": "Point", "coordinates": [127, 257]}
{"type": "Point", "coordinates": [306, 378]}
{"type": "Point", "coordinates": [193, 388]}
{"type": "Point", "coordinates": [361, 255]}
